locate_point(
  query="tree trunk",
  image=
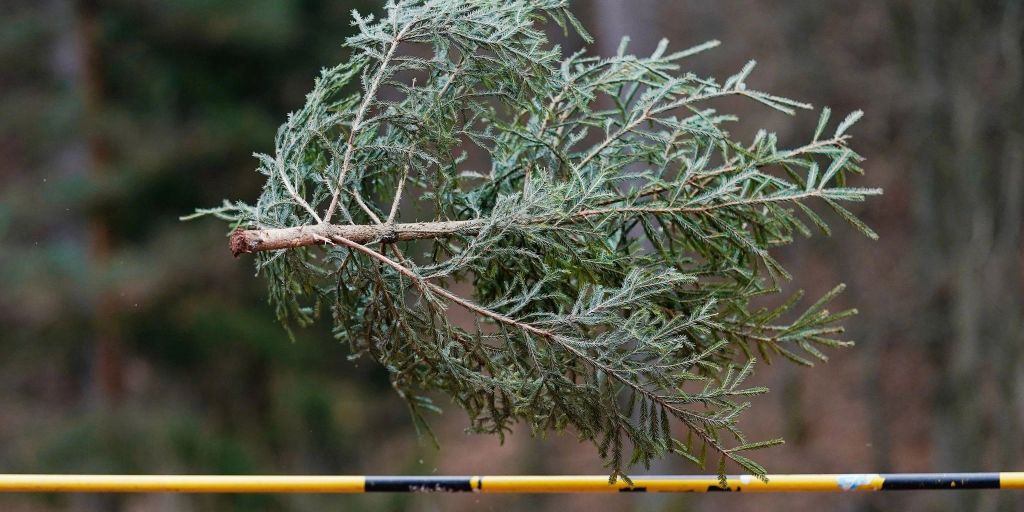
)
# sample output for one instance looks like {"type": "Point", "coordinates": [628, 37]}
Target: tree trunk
{"type": "Point", "coordinates": [108, 350]}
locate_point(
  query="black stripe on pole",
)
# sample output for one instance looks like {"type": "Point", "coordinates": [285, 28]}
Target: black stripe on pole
{"type": "Point", "coordinates": [921, 481]}
{"type": "Point", "coordinates": [418, 484]}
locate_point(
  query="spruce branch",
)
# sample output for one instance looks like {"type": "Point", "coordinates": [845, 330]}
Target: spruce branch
{"type": "Point", "coordinates": [614, 236]}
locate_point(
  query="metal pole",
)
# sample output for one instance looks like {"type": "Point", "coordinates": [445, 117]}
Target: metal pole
{"type": "Point", "coordinates": [506, 484]}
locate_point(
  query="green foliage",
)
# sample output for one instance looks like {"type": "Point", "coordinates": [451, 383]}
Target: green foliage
{"type": "Point", "coordinates": [622, 232]}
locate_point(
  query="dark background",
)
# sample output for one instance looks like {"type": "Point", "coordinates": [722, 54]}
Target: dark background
{"type": "Point", "coordinates": [131, 342]}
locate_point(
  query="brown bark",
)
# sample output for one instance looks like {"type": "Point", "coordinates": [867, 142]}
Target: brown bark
{"type": "Point", "coordinates": [107, 355]}
{"type": "Point", "coordinates": [256, 240]}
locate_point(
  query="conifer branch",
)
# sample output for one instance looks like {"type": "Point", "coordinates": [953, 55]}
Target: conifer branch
{"type": "Point", "coordinates": [613, 251]}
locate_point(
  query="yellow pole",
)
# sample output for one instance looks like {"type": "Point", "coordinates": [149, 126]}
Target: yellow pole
{"type": "Point", "coordinates": [504, 484]}
{"type": "Point", "coordinates": [182, 483]}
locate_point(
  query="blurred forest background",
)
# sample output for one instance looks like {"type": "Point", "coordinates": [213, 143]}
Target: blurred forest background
{"type": "Point", "coordinates": [131, 342]}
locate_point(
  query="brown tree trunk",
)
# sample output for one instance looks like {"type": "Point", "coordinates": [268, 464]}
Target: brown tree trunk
{"type": "Point", "coordinates": [107, 352]}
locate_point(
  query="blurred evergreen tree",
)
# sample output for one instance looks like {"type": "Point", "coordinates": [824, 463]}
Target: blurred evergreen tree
{"type": "Point", "coordinates": [121, 353]}
{"type": "Point", "coordinates": [965, 61]}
